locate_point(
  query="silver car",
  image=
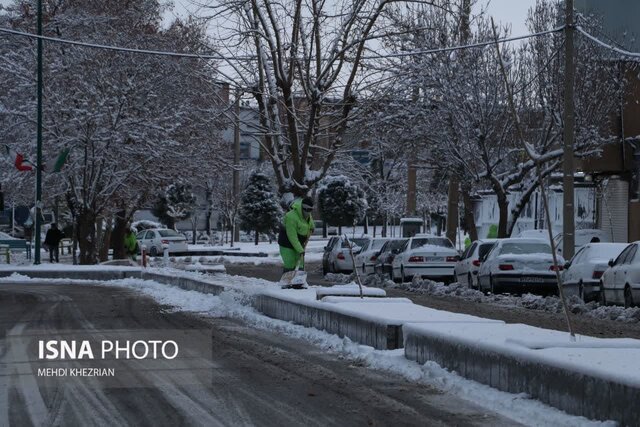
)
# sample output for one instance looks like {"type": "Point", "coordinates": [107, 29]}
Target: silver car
{"type": "Point", "coordinates": [337, 255]}
{"type": "Point", "coordinates": [519, 265]}
{"type": "Point", "coordinates": [583, 273]}
{"type": "Point", "coordinates": [154, 238]}
{"type": "Point", "coordinates": [466, 270]}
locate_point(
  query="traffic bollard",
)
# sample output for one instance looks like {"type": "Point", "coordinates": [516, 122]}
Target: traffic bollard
{"type": "Point", "coordinates": [144, 255]}
{"type": "Point", "coordinates": [165, 254]}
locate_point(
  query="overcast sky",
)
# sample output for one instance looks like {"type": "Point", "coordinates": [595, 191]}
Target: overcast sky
{"type": "Point", "coordinates": [512, 12]}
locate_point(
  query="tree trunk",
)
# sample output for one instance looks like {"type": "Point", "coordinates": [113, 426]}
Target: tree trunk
{"type": "Point", "coordinates": [452, 209]}
{"type": "Point", "coordinates": [87, 237]}
{"type": "Point", "coordinates": [503, 208]}
{"type": "Point", "coordinates": [117, 236]}
{"type": "Point", "coordinates": [257, 237]}
{"type": "Point", "coordinates": [519, 208]}
{"type": "Point", "coordinates": [106, 241]}
{"type": "Point", "coordinates": [469, 218]}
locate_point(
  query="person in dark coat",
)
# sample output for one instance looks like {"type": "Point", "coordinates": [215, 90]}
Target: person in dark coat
{"type": "Point", "coordinates": [52, 240]}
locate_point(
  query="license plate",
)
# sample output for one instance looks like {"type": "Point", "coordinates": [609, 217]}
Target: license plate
{"type": "Point", "coordinates": [532, 280]}
{"type": "Point", "coordinates": [434, 258]}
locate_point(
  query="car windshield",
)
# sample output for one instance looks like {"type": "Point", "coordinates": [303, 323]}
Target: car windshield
{"type": "Point", "coordinates": [484, 249]}
{"type": "Point", "coordinates": [394, 244]}
{"type": "Point", "coordinates": [436, 241]}
{"type": "Point", "coordinates": [169, 233]}
{"type": "Point", "coordinates": [377, 244]}
{"type": "Point", "coordinates": [605, 251]}
{"type": "Point", "coordinates": [521, 248]}
{"type": "Point", "coordinates": [356, 242]}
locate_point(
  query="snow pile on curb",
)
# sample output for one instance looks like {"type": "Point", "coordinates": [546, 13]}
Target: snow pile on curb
{"type": "Point", "coordinates": [550, 304]}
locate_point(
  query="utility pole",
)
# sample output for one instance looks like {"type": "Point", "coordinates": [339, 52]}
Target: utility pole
{"type": "Point", "coordinates": [411, 189]}
{"type": "Point", "coordinates": [568, 216]}
{"type": "Point", "coordinates": [39, 140]}
{"type": "Point", "coordinates": [236, 161]}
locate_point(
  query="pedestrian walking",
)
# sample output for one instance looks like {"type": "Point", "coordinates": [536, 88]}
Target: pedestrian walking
{"type": "Point", "coordinates": [52, 242]}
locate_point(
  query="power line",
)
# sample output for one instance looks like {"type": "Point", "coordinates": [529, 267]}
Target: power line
{"type": "Point", "coordinates": [253, 57]}
{"type": "Point", "coordinates": [126, 49]}
{"type": "Point", "coordinates": [466, 46]}
{"type": "Point", "coordinates": [605, 45]}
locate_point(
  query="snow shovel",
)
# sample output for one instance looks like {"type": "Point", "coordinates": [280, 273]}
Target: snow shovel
{"type": "Point", "coordinates": [296, 279]}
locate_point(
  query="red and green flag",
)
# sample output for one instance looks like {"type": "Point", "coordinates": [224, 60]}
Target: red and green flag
{"type": "Point", "coordinates": [57, 164]}
{"type": "Point", "coordinates": [18, 160]}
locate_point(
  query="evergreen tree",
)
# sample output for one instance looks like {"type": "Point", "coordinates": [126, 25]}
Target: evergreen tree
{"type": "Point", "coordinates": [259, 207]}
{"type": "Point", "coordinates": [176, 204]}
{"type": "Point", "coordinates": [341, 201]}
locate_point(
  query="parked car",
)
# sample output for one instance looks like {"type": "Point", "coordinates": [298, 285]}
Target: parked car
{"type": "Point", "coordinates": [425, 255]}
{"type": "Point", "coordinates": [154, 238]}
{"type": "Point", "coordinates": [519, 265]}
{"type": "Point", "coordinates": [582, 237]}
{"type": "Point", "coordinates": [620, 283]}
{"type": "Point", "coordinates": [366, 259]}
{"type": "Point", "coordinates": [337, 256]}
{"type": "Point", "coordinates": [385, 258]}
{"type": "Point", "coordinates": [466, 270]}
{"type": "Point", "coordinates": [534, 234]}
{"type": "Point", "coordinates": [583, 273]}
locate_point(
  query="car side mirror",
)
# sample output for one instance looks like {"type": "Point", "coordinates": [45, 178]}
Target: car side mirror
{"type": "Point", "coordinates": [567, 265]}
{"type": "Point", "coordinates": [326, 248]}
{"type": "Point", "coordinates": [611, 262]}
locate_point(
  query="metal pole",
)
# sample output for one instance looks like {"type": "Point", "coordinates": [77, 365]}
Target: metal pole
{"type": "Point", "coordinates": [236, 161]}
{"type": "Point", "coordinates": [39, 140]}
{"type": "Point", "coordinates": [568, 217]}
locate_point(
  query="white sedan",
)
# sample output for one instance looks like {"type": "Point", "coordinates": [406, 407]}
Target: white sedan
{"type": "Point", "coordinates": [519, 265]}
{"type": "Point", "coordinates": [366, 259]}
{"type": "Point", "coordinates": [425, 255]}
{"type": "Point", "coordinates": [582, 274]}
{"type": "Point", "coordinates": [621, 281]}
{"type": "Point", "coordinates": [153, 239]}
{"type": "Point", "coordinates": [466, 270]}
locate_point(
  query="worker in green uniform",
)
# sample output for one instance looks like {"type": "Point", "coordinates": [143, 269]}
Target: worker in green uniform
{"type": "Point", "coordinates": [294, 233]}
{"type": "Point", "coordinates": [130, 244]}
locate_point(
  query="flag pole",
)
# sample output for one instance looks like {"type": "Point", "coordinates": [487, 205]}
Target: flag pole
{"type": "Point", "coordinates": [39, 141]}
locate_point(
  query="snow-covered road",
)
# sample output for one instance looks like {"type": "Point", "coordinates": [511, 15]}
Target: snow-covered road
{"type": "Point", "coordinates": [258, 377]}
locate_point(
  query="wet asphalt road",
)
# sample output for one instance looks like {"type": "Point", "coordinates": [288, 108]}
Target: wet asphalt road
{"type": "Point", "coordinates": [253, 377]}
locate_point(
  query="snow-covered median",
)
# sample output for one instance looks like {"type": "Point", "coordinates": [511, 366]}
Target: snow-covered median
{"type": "Point", "coordinates": [234, 304]}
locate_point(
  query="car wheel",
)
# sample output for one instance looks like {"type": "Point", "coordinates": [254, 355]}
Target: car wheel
{"type": "Point", "coordinates": [325, 270]}
{"type": "Point", "coordinates": [402, 276]}
{"type": "Point", "coordinates": [628, 297]}
{"type": "Point", "coordinates": [581, 291]}
{"type": "Point", "coordinates": [333, 268]}
{"type": "Point", "coordinates": [603, 298]}
{"type": "Point", "coordinates": [492, 287]}
{"type": "Point", "coordinates": [153, 251]}
{"type": "Point", "coordinates": [470, 281]}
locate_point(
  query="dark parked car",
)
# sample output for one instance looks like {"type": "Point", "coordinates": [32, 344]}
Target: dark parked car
{"type": "Point", "coordinates": [386, 255]}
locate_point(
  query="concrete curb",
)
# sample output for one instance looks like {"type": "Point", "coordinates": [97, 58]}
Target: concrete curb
{"type": "Point", "coordinates": [185, 283]}
{"type": "Point", "coordinates": [378, 335]}
{"type": "Point", "coordinates": [574, 392]}
{"type": "Point", "coordinates": [74, 275]}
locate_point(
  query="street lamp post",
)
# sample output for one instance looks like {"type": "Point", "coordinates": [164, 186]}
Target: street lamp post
{"type": "Point", "coordinates": [568, 215]}
{"type": "Point", "coordinates": [39, 139]}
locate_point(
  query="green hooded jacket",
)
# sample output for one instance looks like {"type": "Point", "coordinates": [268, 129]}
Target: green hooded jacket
{"type": "Point", "coordinates": [130, 243]}
{"type": "Point", "coordinates": [296, 228]}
